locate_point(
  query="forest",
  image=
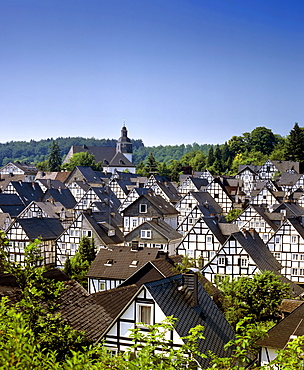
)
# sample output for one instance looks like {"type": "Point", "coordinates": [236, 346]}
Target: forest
{"type": "Point", "coordinates": [253, 147]}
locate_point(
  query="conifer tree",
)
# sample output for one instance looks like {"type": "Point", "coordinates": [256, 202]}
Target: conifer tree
{"type": "Point", "coordinates": [54, 161]}
{"type": "Point", "coordinates": [295, 144]}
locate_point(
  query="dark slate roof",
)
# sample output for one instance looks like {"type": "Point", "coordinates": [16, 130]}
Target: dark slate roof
{"type": "Point", "coordinates": [289, 179]}
{"type": "Point", "coordinates": [29, 169]}
{"type": "Point", "coordinates": [63, 196]}
{"type": "Point", "coordinates": [199, 183]}
{"type": "Point", "coordinates": [52, 184]}
{"type": "Point", "coordinates": [265, 215]}
{"type": "Point", "coordinates": [27, 191]}
{"type": "Point", "coordinates": [122, 258]}
{"type": "Point", "coordinates": [284, 166]}
{"type": "Point", "coordinates": [10, 200]}
{"type": "Point", "coordinates": [46, 228]}
{"type": "Point", "coordinates": [13, 211]}
{"type": "Point", "coordinates": [207, 203]}
{"type": "Point", "coordinates": [279, 335]}
{"type": "Point", "coordinates": [169, 190]}
{"type": "Point", "coordinates": [292, 209]}
{"type": "Point", "coordinates": [101, 153]}
{"type": "Point", "coordinates": [158, 202]}
{"type": "Point", "coordinates": [161, 227]}
{"type": "Point", "coordinates": [81, 312]}
{"type": "Point", "coordinates": [99, 221]}
{"type": "Point", "coordinates": [177, 303]}
{"type": "Point", "coordinates": [106, 195]}
{"type": "Point", "coordinates": [120, 160]}
{"type": "Point", "coordinates": [258, 251]}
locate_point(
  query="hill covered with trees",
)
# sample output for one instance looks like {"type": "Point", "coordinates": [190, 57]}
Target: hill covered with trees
{"type": "Point", "coordinates": [251, 147]}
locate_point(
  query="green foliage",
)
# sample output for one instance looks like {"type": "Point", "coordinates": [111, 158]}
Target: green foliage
{"type": "Point", "coordinates": [258, 296]}
{"type": "Point", "coordinates": [54, 161]}
{"type": "Point", "coordinates": [80, 159]}
{"type": "Point", "coordinates": [295, 144]}
{"type": "Point", "coordinates": [77, 266]}
{"type": "Point", "coordinates": [243, 346]}
{"type": "Point", "coordinates": [233, 214]}
{"type": "Point", "coordinates": [38, 302]}
{"type": "Point", "coordinates": [188, 263]}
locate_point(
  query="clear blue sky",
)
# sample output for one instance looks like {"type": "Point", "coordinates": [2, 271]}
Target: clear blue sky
{"type": "Point", "coordinates": [177, 71]}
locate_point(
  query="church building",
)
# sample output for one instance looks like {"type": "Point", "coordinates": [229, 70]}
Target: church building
{"type": "Point", "coordinates": [119, 158]}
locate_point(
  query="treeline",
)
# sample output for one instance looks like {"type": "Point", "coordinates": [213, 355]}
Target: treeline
{"type": "Point", "coordinates": [250, 148]}
{"type": "Point", "coordinates": [38, 151]}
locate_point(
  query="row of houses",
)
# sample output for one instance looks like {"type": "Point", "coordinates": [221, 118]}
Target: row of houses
{"type": "Point", "coordinates": [142, 226]}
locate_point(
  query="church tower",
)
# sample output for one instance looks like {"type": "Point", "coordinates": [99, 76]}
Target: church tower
{"type": "Point", "coordinates": [124, 144]}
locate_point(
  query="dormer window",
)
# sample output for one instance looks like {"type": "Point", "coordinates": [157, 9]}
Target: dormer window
{"type": "Point", "coordinates": [133, 263]}
{"type": "Point", "coordinates": [109, 262]}
{"type": "Point", "coordinates": [143, 208]}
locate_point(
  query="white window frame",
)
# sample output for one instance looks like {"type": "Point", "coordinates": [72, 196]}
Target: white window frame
{"type": "Point", "coordinates": [221, 261]}
{"type": "Point", "coordinates": [143, 208]}
{"type": "Point", "coordinates": [139, 313]}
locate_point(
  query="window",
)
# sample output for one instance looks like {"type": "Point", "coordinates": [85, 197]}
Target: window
{"type": "Point", "coordinates": [144, 313]}
{"type": "Point", "coordinates": [63, 246]}
{"type": "Point", "coordinates": [295, 256]}
{"type": "Point", "coordinates": [294, 239]}
{"type": "Point", "coordinates": [134, 263]}
{"type": "Point", "coordinates": [73, 246]}
{"type": "Point", "coordinates": [297, 271]}
{"type": "Point", "coordinates": [277, 239]}
{"type": "Point", "coordinates": [102, 285]}
{"type": "Point", "coordinates": [126, 220]}
{"type": "Point", "coordinates": [89, 233]}
{"type": "Point", "coordinates": [146, 234]}
{"type": "Point", "coordinates": [216, 195]}
{"type": "Point", "coordinates": [134, 222]}
{"type": "Point", "coordinates": [190, 253]}
{"type": "Point", "coordinates": [109, 262]}
{"type": "Point", "coordinates": [277, 255]}
{"type": "Point", "coordinates": [222, 261]}
{"type": "Point", "coordinates": [143, 208]}
{"type": "Point", "coordinates": [209, 239]}
{"type": "Point", "coordinates": [243, 262]}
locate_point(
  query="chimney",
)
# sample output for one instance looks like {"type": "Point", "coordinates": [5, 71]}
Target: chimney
{"type": "Point", "coordinates": [190, 288]}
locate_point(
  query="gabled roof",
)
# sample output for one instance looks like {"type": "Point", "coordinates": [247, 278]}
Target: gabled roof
{"type": "Point", "coordinates": [121, 259]}
{"type": "Point", "coordinates": [169, 190]}
{"type": "Point", "coordinates": [120, 160]}
{"type": "Point", "coordinates": [46, 228]}
{"type": "Point", "coordinates": [27, 191]}
{"type": "Point", "coordinates": [13, 211]}
{"type": "Point", "coordinates": [87, 174]}
{"type": "Point", "coordinates": [175, 302]}
{"type": "Point", "coordinates": [292, 209]}
{"type": "Point", "coordinates": [289, 179]}
{"type": "Point", "coordinates": [63, 196]}
{"type": "Point", "coordinates": [10, 200]}
{"type": "Point", "coordinates": [206, 202]}
{"type": "Point", "coordinates": [161, 227]}
{"type": "Point", "coordinates": [54, 184]}
{"type": "Point", "coordinates": [279, 335]}
{"type": "Point", "coordinates": [156, 201]}
{"type": "Point", "coordinates": [92, 313]}
{"type": "Point", "coordinates": [257, 250]}
{"type": "Point", "coordinates": [99, 221]}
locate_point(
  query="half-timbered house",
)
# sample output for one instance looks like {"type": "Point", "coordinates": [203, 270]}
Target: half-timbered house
{"type": "Point", "coordinates": [113, 265]}
{"type": "Point", "coordinates": [218, 192]}
{"type": "Point", "coordinates": [23, 231]}
{"type": "Point", "coordinates": [182, 297]}
{"type": "Point", "coordinates": [154, 234]}
{"type": "Point", "coordinates": [26, 191]}
{"type": "Point", "coordinates": [194, 198]}
{"type": "Point", "coordinates": [191, 183]}
{"type": "Point", "coordinates": [242, 254]}
{"type": "Point", "coordinates": [147, 207]}
{"type": "Point", "coordinates": [98, 225]}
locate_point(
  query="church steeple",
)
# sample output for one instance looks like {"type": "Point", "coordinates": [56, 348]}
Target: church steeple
{"type": "Point", "coordinates": [124, 144]}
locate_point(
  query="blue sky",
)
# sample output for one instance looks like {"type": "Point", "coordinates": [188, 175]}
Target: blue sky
{"type": "Point", "coordinates": [176, 72]}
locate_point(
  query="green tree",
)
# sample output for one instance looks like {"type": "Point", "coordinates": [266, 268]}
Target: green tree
{"type": "Point", "coordinates": [210, 158]}
{"type": "Point", "coordinates": [262, 140]}
{"type": "Point", "coordinates": [54, 160]}
{"type": "Point", "coordinates": [80, 159]}
{"type": "Point", "coordinates": [233, 214]}
{"type": "Point", "coordinates": [77, 266]}
{"type": "Point", "coordinates": [295, 144]}
{"type": "Point", "coordinates": [258, 296]}
{"type": "Point", "coordinates": [39, 301]}
{"type": "Point", "coordinates": [151, 165]}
